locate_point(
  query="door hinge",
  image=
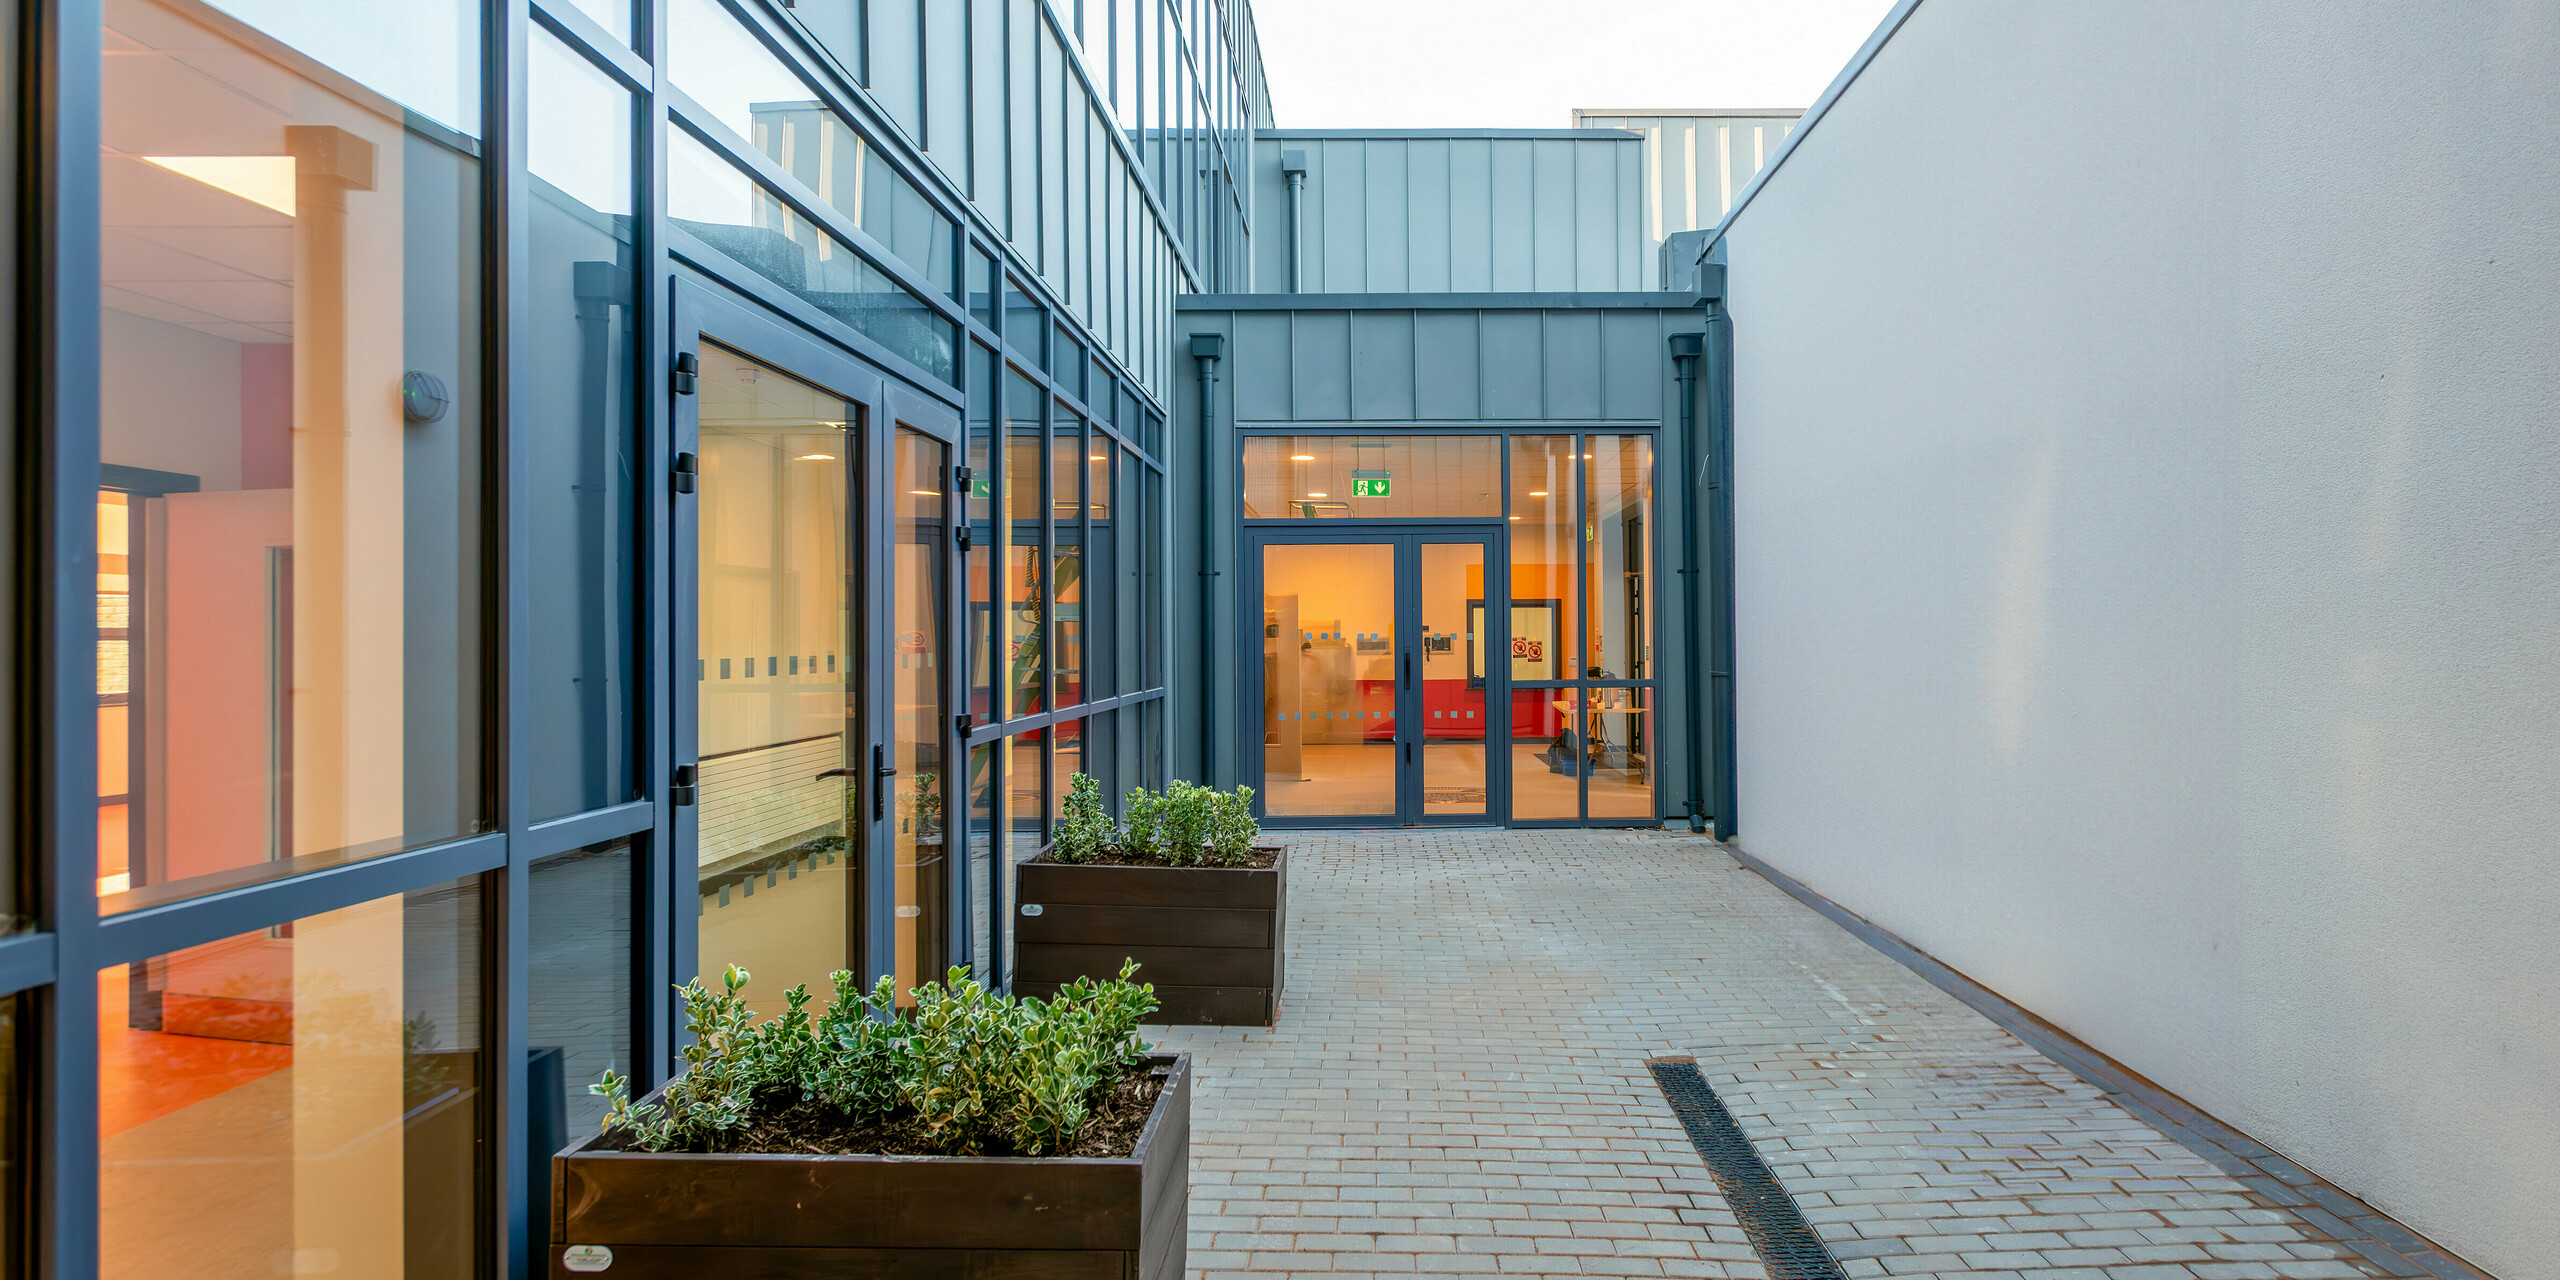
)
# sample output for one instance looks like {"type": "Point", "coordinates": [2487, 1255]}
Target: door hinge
{"type": "Point", "coordinates": [680, 787]}
{"type": "Point", "coordinates": [688, 468]}
{"type": "Point", "coordinates": [960, 533]}
{"type": "Point", "coordinates": [881, 772]}
{"type": "Point", "coordinates": [686, 375]}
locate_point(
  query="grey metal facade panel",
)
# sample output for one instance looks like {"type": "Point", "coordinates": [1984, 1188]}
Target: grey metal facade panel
{"type": "Point", "coordinates": [1712, 277]}
{"type": "Point", "coordinates": [1510, 344]}
{"type": "Point", "coordinates": [1631, 363]}
{"type": "Point", "coordinates": [1445, 366]}
{"type": "Point", "coordinates": [1467, 210]}
{"type": "Point", "coordinates": [1259, 368]}
{"type": "Point", "coordinates": [1572, 364]}
{"type": "Point", "coordinates": [1320, 365]}
{"type": "Point", "coordinates": [1383, 375]}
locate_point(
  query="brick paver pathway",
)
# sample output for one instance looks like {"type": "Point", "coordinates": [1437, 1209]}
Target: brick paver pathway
{"type": "Point", "coordinates": [1457, 1086]}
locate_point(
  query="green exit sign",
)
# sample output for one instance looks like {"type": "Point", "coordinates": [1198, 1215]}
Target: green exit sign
{"type": "Point", "coordinates": [1369, 484]}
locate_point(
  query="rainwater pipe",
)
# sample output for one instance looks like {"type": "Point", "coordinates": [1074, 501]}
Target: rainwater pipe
{"type": "Point", "coordinates": [1685, 350]}
{"type": "Point", "coordinates": [1207, 349]}
{"type": "Point", "coordinates": [1293, 166]}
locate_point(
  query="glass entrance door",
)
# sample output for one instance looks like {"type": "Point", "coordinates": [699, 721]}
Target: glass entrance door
{"type": "Point", "coordinates": [779, 711]}
{"type": "Point", "coordinates": [1377, 694]}
{"type": "Point", "coordinates": [822, 558]}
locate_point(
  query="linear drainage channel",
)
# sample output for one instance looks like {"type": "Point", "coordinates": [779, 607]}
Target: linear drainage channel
{"type": "Point", "coordinates": [1779, 1234]}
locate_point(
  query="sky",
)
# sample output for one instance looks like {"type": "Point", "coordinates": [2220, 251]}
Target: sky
{"type": "Point", "coordinates": [1526, 64]}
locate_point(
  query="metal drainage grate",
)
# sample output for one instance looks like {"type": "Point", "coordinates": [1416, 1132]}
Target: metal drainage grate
{"type": "Point", "coordinates": [1786, 1244]}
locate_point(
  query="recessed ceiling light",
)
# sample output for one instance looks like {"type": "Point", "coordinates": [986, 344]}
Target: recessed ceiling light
{"type": "Point", "coordinates": [926, 493]}
{"type": "Point", "coordinates": [1537, 493]}
{"type": "Point", "coordinates": [1099, 457]}
{"type": "Point", "coordinates": [817, 457]}
{"type": "Point", "coordinates": [1319, 495]}
{"type": "Point", "coordinates": [266, 180]}
{"type": "Point", "coordinates": [1515, 517]}
{"type": "Point", "coordinates": [1302, 457]}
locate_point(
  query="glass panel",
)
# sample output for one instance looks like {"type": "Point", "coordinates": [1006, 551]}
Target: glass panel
{"type": "Point", "coordinates": [424, 56]}
{"type": "Point", "coordinates": [579, 993]}
{"type": "Point", "coordinates": [1026, 326]}
{"type": "Point", "coordinates": [581, 448]}
{"type": "Point", "coordinates": [1101, 586]}
{"type": "Point", "coordinates": [1026, 810]}
{"type": "Point", "coordinates": [304, 1099]}
{"type": "Point", "coordinates": [289, 673]}
{"type": "Point", "coordinates": [1455, 630]}
{"type": "Point", "coordinates": [1339, 477]}
{"type": "Point", "coordinates": [984, 552]}
{"type": "Point", "coordinates": [1066, 489]}
{"type": "Point", "coordinates": [920, 583]}
{"type": "Point", "coordinates": [1024, 614]}
{"type": "Point", "coordinates": [1543, 600]}
{"type": "Point", "coordinates": [711, 200]}
{"type": "Point", "coordinates": [982, 283]}
{"type": "Point", "coordinates": [778, 709]}
{"type": "Point", "coordinates": [735, 78]}
{"type": "Point", "coordinates": [1620, 726]}
{"type": "Point", "coordinates": [1547, 755]}
{"type": "Point", "coordinates": [1328, 679]}
{"type": "Point", "coordinates": [1071, 762]}
{"type": "Point", "coordinates": [612, 15]}
{"type": "Point", "coordinates": [1619, 556]}
{"type": "Point", "coordinates": [985, 762]}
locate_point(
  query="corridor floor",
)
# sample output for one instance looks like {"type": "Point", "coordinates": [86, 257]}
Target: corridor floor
{"type": "Point", "coordinates": [1458, 1086]}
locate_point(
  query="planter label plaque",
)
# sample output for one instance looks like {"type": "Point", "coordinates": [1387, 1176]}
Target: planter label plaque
{"type": "Point", "coordinates": [586, 1257]}
{"type": "Point", "coordinates": [1031, 908]}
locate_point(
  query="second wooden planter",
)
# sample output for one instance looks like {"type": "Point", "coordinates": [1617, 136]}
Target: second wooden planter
{"type": "Point", "coordinates": [1210, 939]}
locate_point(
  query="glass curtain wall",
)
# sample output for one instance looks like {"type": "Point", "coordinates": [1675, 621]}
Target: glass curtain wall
{"type": "Point", "coordinates": [1577, 514]}
{"type": "Point", "coordinates": [298, 658]}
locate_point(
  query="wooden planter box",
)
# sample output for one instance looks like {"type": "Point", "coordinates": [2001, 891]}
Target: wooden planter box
{"type": "Point", "coordinates": [1211, 939]}
{"type": "Point", "coordinates": [773, 1217]}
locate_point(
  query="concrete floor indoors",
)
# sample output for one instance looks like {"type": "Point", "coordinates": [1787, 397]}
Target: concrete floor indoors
{"type": "Point", "coordinates": [1458, 1086]}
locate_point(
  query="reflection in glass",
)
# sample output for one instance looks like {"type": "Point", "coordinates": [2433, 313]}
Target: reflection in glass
{"type": "Point", "coordinates": [298, 1100]}
{"type": "Point", "coordinates": [1619, 723]}
{"type": "Point", "coordinates": [1067, 566]}
{"type": "Point", "coordinates": [778, 717]}
{"type": "Point", "coordinates": [719, 64]}
{"type": "Point", "coordinates": [581, 448]}
{"type": "Point", "coordinates": [1543, 526]}
{"type": "Point", "coordinates": [1455, 715]}
{"type": "Point", "coordinates": [1328, 679]}
{"type": "Point", "coordinates": [1618, 556]}
{"type": "Point", "coordinates": [1026, 811]}
{"type": "Point", "coordinates": [984, 551]}
{"type": "Point", "coordinates": [579, 996]}
{"type": "Point", "coordinates": [1025, 612]}
{"type": "Point", "coordinates": [289, 420]}
{"type": "Point", "coordinates": [718, 204]}
{"type": "Point", "coordinates": [1071, 740]}
{"type": "Point", "coordinates": [1548, 754]}
{"type": "Point", "coordinates": [985, 780]}
{"type": "Point", "coordinates": [916, 552]}
{"type": "Point", "coordinates": [1370, 477]}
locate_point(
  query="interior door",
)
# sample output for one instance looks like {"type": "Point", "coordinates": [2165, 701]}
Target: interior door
{"type": "Point", "coordinates": [1380, 681]}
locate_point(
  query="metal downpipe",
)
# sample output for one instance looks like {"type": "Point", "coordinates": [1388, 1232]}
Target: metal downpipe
{"type": "Point", "coordinates": [1206, 350]}
{"type": "Point", "coordinates": [1685, 350]}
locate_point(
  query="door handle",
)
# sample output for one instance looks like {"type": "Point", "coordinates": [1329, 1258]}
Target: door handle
{"type": "Point", "coordinates": [1408, 669]}
{"type": "Point", "coordinates": [883, 770]}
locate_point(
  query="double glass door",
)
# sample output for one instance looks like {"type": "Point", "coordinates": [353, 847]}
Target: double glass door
{"type": "Point", "coordinates": [820, 562]}
{"type": "Point", "coordinates": [1379, 702]}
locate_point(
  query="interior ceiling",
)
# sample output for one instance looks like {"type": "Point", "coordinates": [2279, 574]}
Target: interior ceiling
{"type": "Point", "coordinates": [174, 248]}
{"type": "Point", "coordinates": [741, 394]}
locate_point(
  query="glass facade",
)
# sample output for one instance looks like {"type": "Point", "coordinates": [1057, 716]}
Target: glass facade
{"type": "Point", "coordinates": [563, 498]}
{"type": "Point", "coordinates": [1350, 590]}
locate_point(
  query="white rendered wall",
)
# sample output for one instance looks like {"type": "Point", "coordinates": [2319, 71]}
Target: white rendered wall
{"type": "Point", "coordinates": [2148, 557]}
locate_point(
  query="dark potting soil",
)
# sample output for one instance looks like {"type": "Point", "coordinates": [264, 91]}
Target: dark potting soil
{"type": "Point", "coordinates": [1257, 859]}
{"type": "Point", "coordinates": [812, 1128]}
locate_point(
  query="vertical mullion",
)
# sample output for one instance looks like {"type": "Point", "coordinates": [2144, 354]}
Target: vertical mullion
{"type": "Point", "coordinates": [58, 357]}
{"type": "Point", "coordinates": [658, 888]}
{"type": "Point", "coordinates": [507, 944]}
{"type": "Point", "coordinates": [1582, 618]}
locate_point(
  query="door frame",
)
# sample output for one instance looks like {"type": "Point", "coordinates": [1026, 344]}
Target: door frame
{"type": "Point", "coordinates": [1406, 537]}
{"type": "Point", "coordinates": [706, 311]}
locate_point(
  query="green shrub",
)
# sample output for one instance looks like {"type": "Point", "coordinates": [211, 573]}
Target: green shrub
{"type": "Point", "coordinates": [975, 1070]}
{"type": "Point", "coordinates": [1231, 825]}
{"type": "Point", "coordinates": [1085, 830]}
{"type": "Point", "coordinates": [1143, 836]}
{"type": "Point", "coordinates": [1187, 810]}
